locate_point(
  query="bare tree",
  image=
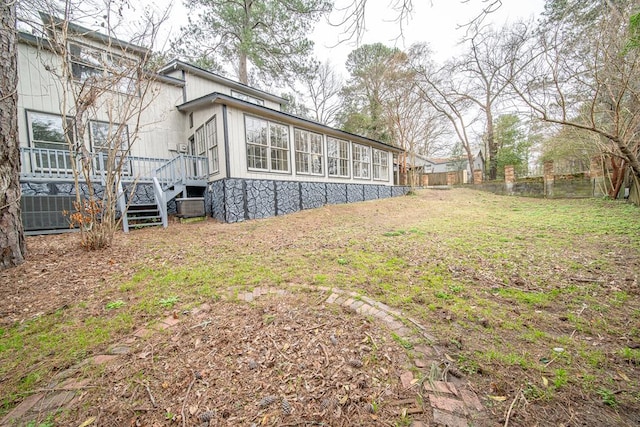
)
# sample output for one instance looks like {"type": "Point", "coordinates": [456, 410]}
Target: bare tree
{"type": "Point", "coordinates": [483, 72]}
{"type": "Point", "coordinates": [322, 88]}
{"type": "Point", "coordinates": [414, 124]}
{"type": "Point", "coordinates": [587, 80]}
{"type": "Point", "coordinates": [103, 94]}
{"type": "Point", "coordinates": [440, 88]}
{"type": "Point", "coordinates": [352, 18]}
{"type": "Point", "coordinates": [12, 243]}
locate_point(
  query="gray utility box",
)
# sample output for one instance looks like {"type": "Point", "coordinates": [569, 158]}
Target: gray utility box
{"type": "Point", "coordinates": [190, 207]}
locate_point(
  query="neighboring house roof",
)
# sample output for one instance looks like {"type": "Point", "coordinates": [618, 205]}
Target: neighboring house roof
{"type": "Point", "coordinates": [417, 160]}
{"type": "Point", "coordinates": [176, 64]}
{"type": "Point", "coordinates": [220, 98]}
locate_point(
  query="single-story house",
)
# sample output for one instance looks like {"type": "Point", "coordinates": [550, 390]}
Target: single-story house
{"type": "Point", "coordinates": [453, 164]}
{"type": "Point", "coordinates": [420, 167]}
{"type": "Point", "coordinates": [202, 138]}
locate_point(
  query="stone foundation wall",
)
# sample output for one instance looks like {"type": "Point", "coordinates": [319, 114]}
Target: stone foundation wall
{"type": "Point", "coordinates": [142, 193]}
{"type": "Point", "coordinates": [234, 200]}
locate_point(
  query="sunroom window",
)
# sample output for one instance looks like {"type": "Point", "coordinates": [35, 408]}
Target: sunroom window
{"type": "Point", "coordinates": [338, 157]}
{"type": "Point", "coordinates": [361, 161]}
{"type": "Point", "coordinates": [211, 138]}
{"type": "Point", "coordinates": [267, 145]}
{"type": "Point", "coordinates": [380, 165]}
{"type": "Point", "coordinates": [309, 152]}
{"type": "Point", "coordinates": [206, 145]}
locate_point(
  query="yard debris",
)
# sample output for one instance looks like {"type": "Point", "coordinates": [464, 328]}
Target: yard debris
{"type": "Point", "coordinates": [286, 407]}
{"type": "Point", "coordinates": [256, 371]}
{"type": "Point", "coordinates": [266, 401]}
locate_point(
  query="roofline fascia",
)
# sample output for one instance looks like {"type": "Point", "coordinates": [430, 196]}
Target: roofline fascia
{"type": "Point", "coordinates": [177, 64]}
{"type": "Point", "coordinates": [94, 35]}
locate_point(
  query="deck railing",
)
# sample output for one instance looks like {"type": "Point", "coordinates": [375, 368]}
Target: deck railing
{"type": "Point", "coordinates": [181, 169]}
{"type": "Point", "coordinates": [45, 163]}
{"type": "Point", "coordinates": [48, 164]}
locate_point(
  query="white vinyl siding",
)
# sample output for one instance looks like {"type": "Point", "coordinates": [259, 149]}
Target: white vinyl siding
{"type": "Point", "coordinates": [380, 165]}
{"type": "Point", "coordinates": [361, 161]}
{"type": "Point", "coordinates": [338, 157]}
{"type": "Point", "coordinates": [267, 145]}
{"type": "Point", "coordinates": [309, 152]}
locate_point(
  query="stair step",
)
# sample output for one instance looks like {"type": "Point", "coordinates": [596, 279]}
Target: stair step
{"type": "Point", "coordinates": [143, 218]}
{"type": "Point", "coordinates": [138, 207]}
{"type": "Point", "coordinates": [145, 224]}
{"type": "Point", "coordinates": [142, 211]}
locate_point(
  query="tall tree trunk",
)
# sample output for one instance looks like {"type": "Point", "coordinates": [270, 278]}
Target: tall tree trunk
{"type": "Point", "coordinates": [617, 177]}
{"type": "Point", "coordinates": [243, 75]}
{"type": "Point", "coordinates": [12, 244]}
{"type": "Point", "coordinates": [492, 147]}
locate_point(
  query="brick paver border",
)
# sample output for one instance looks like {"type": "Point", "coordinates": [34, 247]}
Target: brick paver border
{"type": "Point", "coordinates": [451, 403]}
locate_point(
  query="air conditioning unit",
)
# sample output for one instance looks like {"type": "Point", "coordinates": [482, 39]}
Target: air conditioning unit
{"type": "Point", "coordinates": [182, 148]}
{"type": "Point", "coordinates": [190, 207]}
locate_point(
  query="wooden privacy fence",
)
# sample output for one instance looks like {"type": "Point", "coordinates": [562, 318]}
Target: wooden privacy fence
{"type": "Point", "coordinates": [433, 179]}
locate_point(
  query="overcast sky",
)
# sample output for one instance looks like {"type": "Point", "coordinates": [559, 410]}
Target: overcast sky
{"type": "Point", "coordinates": [434, 21]}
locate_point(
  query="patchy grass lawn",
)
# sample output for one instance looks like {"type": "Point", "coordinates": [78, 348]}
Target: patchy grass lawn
{"type": "Point", "coordinates": [532, 299]}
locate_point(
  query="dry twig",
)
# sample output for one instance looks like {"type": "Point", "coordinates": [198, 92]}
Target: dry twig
{"type": "Point", "coordinates": [153, 400]}
{"type": "Point", "coordinates": [184, 402]}
{"type": "Point", "coordinates": [326, 355]}
{"type": "Point", "coordinates": [515, 399]}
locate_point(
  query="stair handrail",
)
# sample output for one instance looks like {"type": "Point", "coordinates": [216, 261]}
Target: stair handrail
{"type": "Point", "coordinates": [168, 172]}
{"type": "Point", "coordinates": [161, 202]}
{"type": "Point", "coordinates": [182, 168]}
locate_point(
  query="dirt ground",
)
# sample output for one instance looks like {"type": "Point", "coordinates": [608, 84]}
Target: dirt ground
{"type": "Point", "coordinates": [228, 368]}
{"type": "Point", "coordinates": [287, 360]}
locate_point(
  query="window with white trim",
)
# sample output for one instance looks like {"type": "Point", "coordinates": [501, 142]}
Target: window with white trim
{"type": "Point", "coordinates": [361, 161]}
{"type": "Point", "coordinates": [109, 137]}
{"type": "Point", "coordinates": [211, 140]}
{"type": "Point", "coordinates": [338, 157]}
{"type": "Point", "coordinates": [102, 67]}
{"type": "Point", "coordinates": [279, 141]}
{"type": "Point", "coordinates": [205, 144]}
{"type": "Point", "coordinates": [380, 165]}
{"type": "Point", "coordinates": [248, 98]}
{"type": "Point", "coordinates": [309, 152]}
{"type": "Point", "coordinates": [50, 136]}
{"type": "Point", "coordinates": [267, 145]}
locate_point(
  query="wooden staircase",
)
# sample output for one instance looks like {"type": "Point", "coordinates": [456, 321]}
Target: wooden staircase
{"type": "Point", "coordinates": [143, 215]}
{"type": "Point", "coordinates": [169, 181]}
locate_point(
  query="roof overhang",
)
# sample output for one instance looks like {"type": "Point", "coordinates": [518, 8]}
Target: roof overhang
{"type": "Point", "coordinates": [53, 23]}
{"type": "Point", "coordinates": [200, 72]}
{"type": "Point", "coordinates": [218, 98]}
